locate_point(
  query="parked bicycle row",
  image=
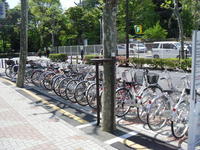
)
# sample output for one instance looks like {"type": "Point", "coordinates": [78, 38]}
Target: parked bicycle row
{"type": "Point", "coordinates": [142, 96]}
{"type": "Point", "coordinates": [154, 105]}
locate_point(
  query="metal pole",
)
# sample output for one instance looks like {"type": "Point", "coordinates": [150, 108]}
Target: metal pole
{"type": "Point", "coordinates": [127, 30]}
{"type": "Point", "coordinates": [97, 92]}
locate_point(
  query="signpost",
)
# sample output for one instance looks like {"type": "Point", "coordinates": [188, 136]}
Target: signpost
{"type": "Point", "coordinates": [138, 29]}
{"type": "Point", "coordinates": [2, 10]}
{"type": "Point", "coordinates": [194, 119]}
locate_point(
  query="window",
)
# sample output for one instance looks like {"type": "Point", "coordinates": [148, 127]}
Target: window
{"type": "Point", "coordinates": [168, 46]}
{"type": "Point", "coordinates": [155, 45]}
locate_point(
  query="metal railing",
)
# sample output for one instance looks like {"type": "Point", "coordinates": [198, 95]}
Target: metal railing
{"type": "Point", "coordinates": [76, 50]}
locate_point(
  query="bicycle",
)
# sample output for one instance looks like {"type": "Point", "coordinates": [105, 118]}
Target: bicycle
{"type": "Point", "coordinates": [132, 94]}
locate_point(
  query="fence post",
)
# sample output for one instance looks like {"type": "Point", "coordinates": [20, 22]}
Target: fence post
{"type": "Point", "coordinates": [94, 49]}
{"type": "Point", "coordinates": [71, 53]}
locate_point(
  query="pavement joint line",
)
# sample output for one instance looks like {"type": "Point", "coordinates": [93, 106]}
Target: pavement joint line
{"type": "Point", "coordinates": [120, 138]}
{"type": "Point", "coordinates": [86, 125]}
{"type": "Point", "coordinates": [54, 107]}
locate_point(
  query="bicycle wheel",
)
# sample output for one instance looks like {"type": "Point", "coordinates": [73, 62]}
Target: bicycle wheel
{"type": "Point", "coordinates": [123, 102]}
{"type": "Point", "coordinates": [8, 71]}
{"type": "Point", "coordinates": [157, 114]}
{"type": "Point", "coordinates": [148, 94]}
{"type": "Point", "coordinates": [80, 93]}
{"type": "Point", "coordinates": [69, 91]}
{"type": "Point", "coordinates": [35, 77]}
{"type": "Point", "coordinates": [47, 82]}
{"type": "Point", "coordinates": [55, 84]}
{"type": "Point", "coordinates": [62, 87]}
{"type": "Point", "coordinates": [179, 124]}
{"type": "Point", "coordinates": [91, 95]}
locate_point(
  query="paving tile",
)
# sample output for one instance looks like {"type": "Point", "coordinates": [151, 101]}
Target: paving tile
{"type": "Point", "coordinates": [25, 128]}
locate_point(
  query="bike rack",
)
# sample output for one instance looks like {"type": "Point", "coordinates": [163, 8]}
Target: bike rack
{"type": "Point", "coordinates": [97, 61]}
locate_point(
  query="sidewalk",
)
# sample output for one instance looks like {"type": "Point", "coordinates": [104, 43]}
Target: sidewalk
{"type": "Point", "coordinates": [24, 126]}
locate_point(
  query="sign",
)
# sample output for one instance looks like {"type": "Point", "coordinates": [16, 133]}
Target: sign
{"type": "Point", "coordinates": [138, 29]}
{"type": "Point", "coordinates": [2, 10]}
{"type": "Point", "coordinates": [194, 118]}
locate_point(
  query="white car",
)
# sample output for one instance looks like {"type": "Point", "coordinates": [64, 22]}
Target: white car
{"type": "Point", "coordinates": [166, 49]}
{"type": "Point", "coordinates": [138, 47]}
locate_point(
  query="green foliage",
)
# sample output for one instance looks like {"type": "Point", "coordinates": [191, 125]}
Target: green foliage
{"type": "Point", "coordinates": [168, 63]}
{"type": "Point", "coordinates": [58, 57]}
{"type": "Point", "coordinates": [155, 33]}
{"type": "Point", "coordinates": [87, 58]}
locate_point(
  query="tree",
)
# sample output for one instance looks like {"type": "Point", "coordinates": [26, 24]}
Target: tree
{"type": "Point", "coordinates": [155, 33]}
{"type": "Point", "coordinates": [140, 13]}
{"type": "Point", "coordinates": [23, 43]}
{"type": "Point", "coordinates": [110, 45]}
{"type": "Point", "coordinates": [47, 15]}
{"type": "Point", "coordinates": [176, 10]}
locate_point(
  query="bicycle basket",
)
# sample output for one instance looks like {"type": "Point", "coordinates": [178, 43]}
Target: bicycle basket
{"type": "Point", "coordinates": [10, 62]}
{"type": "Point", "coordinates": [152, 78]}
{"type": "Point", "coordinates": [139, 77]}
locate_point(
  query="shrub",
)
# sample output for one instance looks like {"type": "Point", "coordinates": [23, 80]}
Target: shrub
{"type": "Point", "coordinates": [87, 58]}
{"type": "Point", "coordinates": [168, 63]}
{"type": "Point", "coordinates": [58, 57]}
{"type": "Point", "coordinates": [186, 64]}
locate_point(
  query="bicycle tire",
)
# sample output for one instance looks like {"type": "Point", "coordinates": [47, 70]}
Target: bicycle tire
{"type": "Point", "coordinates": [8, 71]}
{"type": "Point", "coordinates": [122, 102]}
{"type": "Point", "coordinates": [55, 84]}
{"type": "Point", "coordinates": [148, 94]}
{"type": "Point", "coordinates": [62, 87]}
{"type": "Point", "coordinates": [91, 95]}
{"type": "Point", "coordinates": [156, 118]}
{"type": "Point", "coordinates": [47, 82]}
{"type": "Point", "coordinates": [69, 91]}
{"type": "Point", "coordinates": [179, 125]}
{"type": "Point", "coordinates": [80, 93]}
{"type": "Point", "coordinates": [35, 77]}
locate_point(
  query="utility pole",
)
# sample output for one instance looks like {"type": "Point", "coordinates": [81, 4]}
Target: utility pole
{"type": "Point", "coordinates": [127, 31]}
{"type": "Point", "coordinates": [23, 43]}
{"type": "Point", "coordinates": [110, 46]}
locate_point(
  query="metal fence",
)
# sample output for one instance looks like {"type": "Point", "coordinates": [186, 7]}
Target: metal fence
{"type": "Point", "coordinates": [95, 49]}
{"type": "Point", "coordinates": [76, 50]}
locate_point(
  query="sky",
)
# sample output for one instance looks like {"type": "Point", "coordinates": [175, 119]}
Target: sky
{"type": "Point", "coordinates": [65, 3]}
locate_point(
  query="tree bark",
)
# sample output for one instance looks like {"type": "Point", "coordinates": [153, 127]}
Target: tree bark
{"type": "Point", "coordinates": [110, 46]}
{"type": "Point", "coordinates": [23, 43]}
{"type": "Point", "coordinates": [180, 26]}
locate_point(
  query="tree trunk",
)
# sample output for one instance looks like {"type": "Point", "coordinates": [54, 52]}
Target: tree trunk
{"type": "Point", "coordinates": [180, 26]}
{"type": "Point", "coordinates": [23, 43]}
{"type": "Point", "coordinates": [110, 45]}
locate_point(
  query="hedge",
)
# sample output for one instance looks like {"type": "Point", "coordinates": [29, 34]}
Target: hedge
{"type": "Point", "coordinates": [166, 63]}
{"type": "Point", "coordinates": [87, 58]}
{"type": "Point", "coordinates": [58, 57]}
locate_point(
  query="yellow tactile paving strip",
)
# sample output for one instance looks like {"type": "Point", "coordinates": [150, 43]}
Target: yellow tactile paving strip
{"type": "Point", "coordinates": [54, 107]}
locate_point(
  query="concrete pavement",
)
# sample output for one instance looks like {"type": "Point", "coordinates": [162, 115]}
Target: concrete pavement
{"type": "Point", "coordinates": [24, 127]}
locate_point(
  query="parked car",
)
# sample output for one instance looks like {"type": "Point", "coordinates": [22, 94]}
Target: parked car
{"type": "Point", "coordinates": [167, 49]}
{"type": "Point", "coordinates": [138, 47]}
